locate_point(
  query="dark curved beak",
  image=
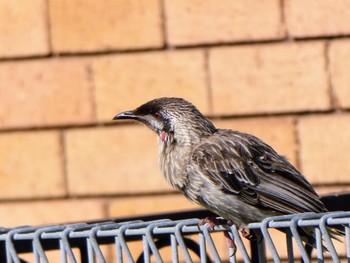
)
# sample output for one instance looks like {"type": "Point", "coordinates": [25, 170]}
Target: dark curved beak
{"type": "Point", "coordinates": [125, 115]}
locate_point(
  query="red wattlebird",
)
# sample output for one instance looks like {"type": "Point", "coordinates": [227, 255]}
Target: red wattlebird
{"type": "Point", "coordinates": [233, 174]}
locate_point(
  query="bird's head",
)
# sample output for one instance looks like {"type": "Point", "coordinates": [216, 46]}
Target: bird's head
{"type": "Point", "coordinates": [172, 119]}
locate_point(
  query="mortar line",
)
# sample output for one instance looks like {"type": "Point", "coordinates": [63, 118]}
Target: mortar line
{"type": "Point", "coordinates": [179, 47]}
{"type": "Point", "coordinates": [283, 18]}
{"type": "Point", "coordinates": [96, 124]}
{"type": "Point", "coordinates": [164, 29]}
{"type": "Point", "coordinates": [298, 145]}
{"type": "Point", "coordinates": [333, 101]}
{"type": "Point", "coordinates": [87, 196]}
{"type": "Point", "coordinates": [92, 88]}
{"type": "Point", "coordinates": [64, 158]}
{"type": "Point", "coordinates": [48, 27]}
{"type": "Point", "coordinates": [208, 80]}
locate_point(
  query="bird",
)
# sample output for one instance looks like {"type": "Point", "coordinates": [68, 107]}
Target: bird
{"type": "Point", "coordinates": [231, 173]}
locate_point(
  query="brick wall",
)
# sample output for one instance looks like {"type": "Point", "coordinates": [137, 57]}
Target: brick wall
{"type": "Point", "coordinates": [276, 68]}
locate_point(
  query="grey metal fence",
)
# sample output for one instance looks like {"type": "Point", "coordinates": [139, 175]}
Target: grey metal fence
{"type": "Point", "coordinates": [186, 240]}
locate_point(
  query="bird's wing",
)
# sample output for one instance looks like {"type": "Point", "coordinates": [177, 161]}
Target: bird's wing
{"type": "Point", "coordinates": [242, 165]}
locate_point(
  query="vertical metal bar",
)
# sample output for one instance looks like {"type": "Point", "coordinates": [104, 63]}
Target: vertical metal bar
{"type": "Point", "coordinates": [95, 246]}
{"type": "Point", "coordinates": [327, 238]}
{"type": "Point", "coordinates": [319, 245]}
{"type": "Point", "coordinates": [90, 252]}
{"type": "Point", "coordinates": [125, 248]}
{"type": "Point", "coordinates": [174, 248]}
{"type": "Point", "coordinates": [37, 242]}
{"type": "Point", "coordinates": [210, 243]}
{"type": "Point", "coordinates": [181, 242]}
{"type": "Point", "coordinates": [232, 255]}
{"type": "Point", "coordinates": [290, 249]}
{"type": "Point", "coordinates": [8, 256]}
{"type": "Point", "coordinates": [239, 242]}
{"type": "Point", "coordinates": [36, 254]}
{"type": "Point", "coordinates": [152, 244]}
{"type": "Point", "coordinates": [66, 244]}
{"type": "Point", "coordinates": [296, 235]}
{"type": "Point", "coordinates": [232, 251]}
{"type": "Point", "coordinates": [146, 252]}
{"type": "Point", "coordinates": [118, 250]}
{"type": "Point", "coordinates": [268, 239]}
{"type": "Point", "coordinates": [12, 255]}
{"type": "Point", "coordinates": [347, 242]}
{"type": "Point", "coordinates": [62, 252]}
{"type": "Point", "coordinates": [202, 248]}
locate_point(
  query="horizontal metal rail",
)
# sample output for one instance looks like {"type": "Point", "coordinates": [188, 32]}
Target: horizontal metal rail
{"type": "Point", "coordinates": [185, 237]}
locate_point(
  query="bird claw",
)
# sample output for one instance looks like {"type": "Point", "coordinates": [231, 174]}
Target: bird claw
{"type": "Point", "coordinates": [245, 232]}
{"type": "Point", "coordinates": [213, 221]}
{"type": "Point", "coordinates": [209, 221]}
{"type": "Point", "coordinates": [230, 243]}
{"type": "Point", "coordinates": [252, 235]}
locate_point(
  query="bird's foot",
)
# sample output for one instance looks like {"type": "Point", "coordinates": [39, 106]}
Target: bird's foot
{"type": "Point", "coordinates": [252, 235]}
{"type": "Point", "coordinates": [245, 232]}
{"type": "Point", "coordinates": [230, 243]}
{"type": "Point", "coordinates": [214, 221]}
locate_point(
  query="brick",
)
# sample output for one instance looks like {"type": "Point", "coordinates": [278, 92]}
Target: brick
{"type": "Point", "coordinates": [324, 148]}
{"type": "Point", "coordinates": [116, 160]}
{"type": "Point", "coordinates": [277, 132]}
{"type": "Point", "coordinates": [127, 81]}
{"type": "Point", "coordinates": [317, 17]}
{"type": "Point", "coordinates": [31, 165]}
{"type": "Point", "coordinates": [44, 93]}
{"type": "Point", "coordinates": [51, 212]}
{"type": "Point", "coordinates": [269, 78]}
{"type": "Point", "coordinates": [94, 25]}
{"type": "Point", "coordinates": [146, 205]}
{"type": "Point", "coordinates": [339, 57]}
{"type": "Point", "coordinates": [198, 22]}
{"type": "Point", "coordinates": [23, 29]}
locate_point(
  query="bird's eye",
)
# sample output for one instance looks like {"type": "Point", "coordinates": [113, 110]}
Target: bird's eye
{"type": "Point", "coordinates": [157, 115]}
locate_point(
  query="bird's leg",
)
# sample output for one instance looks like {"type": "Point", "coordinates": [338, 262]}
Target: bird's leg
{"type": "Point", "coordinates": [253, 234]}
{"type": "Point", "coordinates": [213, 221]}
{"type": "Point", "coordinates": [230, 243]}
{"type": "Point", "coordinates": [245, 232]}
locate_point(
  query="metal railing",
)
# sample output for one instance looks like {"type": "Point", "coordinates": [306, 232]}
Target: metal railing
{"type": "Point", "coordinates": [188, 241]}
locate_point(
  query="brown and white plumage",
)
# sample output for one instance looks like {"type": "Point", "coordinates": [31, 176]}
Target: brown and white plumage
{"type": "Point", "coordinates": [233, 174]}
{"type": "Point", "coordinates": [254, 175]}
